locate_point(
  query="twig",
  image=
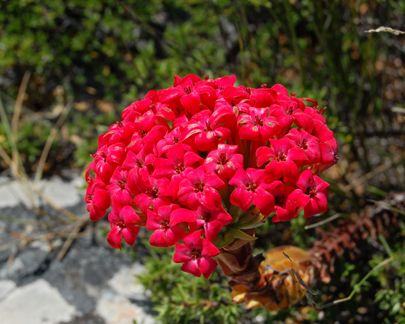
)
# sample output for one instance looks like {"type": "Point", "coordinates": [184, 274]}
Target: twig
{"type": "Point", "coordinates": [72, 237]}
{"type": "Point", "coordinates": [399, 110]}
{"type": "Point", "coordinates": [5, 156]}
{"type": "Point", "coordinates": [355, 182]}
{"type": "Point", "coordinates": [49, 142]}
{"type": "Point", "coordinates": [54, 206]}
{"type": "Point", "coordinates": [384, 29]}
{"type": "Point", "coordinates": [19, 102]}
{"type": "Point", "coordinates": [323, 222]}
{"type": "Point", "coordinates": [358, 285]}
{"type": "Point", "coordinates": [15, 121]}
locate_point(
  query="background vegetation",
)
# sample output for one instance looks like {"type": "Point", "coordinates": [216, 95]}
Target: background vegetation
{"type": "Point", "coordinates": [85, 60]}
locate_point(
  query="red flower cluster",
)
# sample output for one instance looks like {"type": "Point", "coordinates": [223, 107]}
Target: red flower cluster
{"type": "Point", "coordinates": [181, 157]}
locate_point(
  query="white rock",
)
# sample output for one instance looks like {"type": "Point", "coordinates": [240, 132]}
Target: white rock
{"type": "Point", "coordinates": [124, 281]}
{"type": "Point", "coordinates": [16, 266]}
{"type": "Point", "coordinates": [12, 194]}
{"type": "Point", "coordinates": [62, 193]}
{"type": "Point", "coordinates": [114, 305]}
{"type": "Point", "coordinates": [6, 286]}
{"type": "Point", "coordinates": [37, 302]}
{"type": "Point", "coordinates": [116, 309]}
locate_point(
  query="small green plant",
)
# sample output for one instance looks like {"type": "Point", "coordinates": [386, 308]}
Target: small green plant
{"type": "Point", "coordinates": [178, 298]}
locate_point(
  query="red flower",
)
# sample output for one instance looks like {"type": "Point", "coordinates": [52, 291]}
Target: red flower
{"type": "Point", "coordinates": [212, 220]}
{"type": "Point", "coordinates": [167, 224]}
{"type": "Point", "coordinates": [191, 93]}
{"type": "Point", "coordinates": [177, 161]}
{"type": "Point", "coordinates": [224, 161]}
{"type": "Point", "coordinates": [251, 190]}
{"type": "Point", "coordinates": [287, 202]}
{"type": "Point", "coordinates": [151, 192]}
{"type": "Point", "coordinates": [119, 190]}
{"type": "Point", "coordinates": [97, 200]}
{"type": "Point", "coordinates": [124, 224]}
{"type": "Point", "coordinates": [196, 255]}
{"type": "Point", "coordinates": [199, 187]}
{"type": "Point", "coordinates": [313, 192]}
{"type": "Point", "coordinates": [307, 143]}
{"type": "Point", "coordinates": [257, 125]}
{"type": "Point", "coordinates": [101, 166]}
{"type": "Point", "coordinates": [281, 155]}
{"type": "Point", "coordinates": [205, 130]}
{"type": "Point", "coordinates": [184, 160]}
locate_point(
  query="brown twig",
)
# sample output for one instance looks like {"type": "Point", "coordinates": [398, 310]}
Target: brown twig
{"type": "Point", "coordinates": [80, 224]}
{"type": "Point", "coordinates": [49, 141]}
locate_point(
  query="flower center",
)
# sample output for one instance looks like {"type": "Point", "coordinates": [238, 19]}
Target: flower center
{"type": "Point", "coordinates": [199, 187]}
{"type": "Point", "coordinates": [222, 159]}
{"type": "Point", "coordinates": [258, 121]}
{"type": "Point", "coordinates": [279, 200]}
{"type": "Point", "coordinates": [120, 224]}
{"type": "Point", "coordinates": [251, 186]}
{"type": "Point", "coordinates": [187, 89]}
{"type": "Point", "coordinates": [311, 191]}
{"type": "Point", "coordinates": [303, 144]}
{"type": "Point", "coordinates": [195, 253]}
{"type": "Point", "coordinates": [164, 224]}
{"type": "Point", "coordinates": [121, 183]}
{"type": "Point", "coordinates": [179, 168]}
{"type": "Point", "coordinates": [139, 163]}
{"type": "Point", "coordinates": [154, 192]}
{"type": "Point", "coordinates": [206, 217]}
{"type": "Point", "coordinates": [281, 156]}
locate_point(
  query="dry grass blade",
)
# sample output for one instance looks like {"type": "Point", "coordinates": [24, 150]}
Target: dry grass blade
{"type": "Point", "coordinates": [19, 102]}
{"type": "Point", "coordinates": [384, 29]}
{"type": "Point", "coordinates": [49, 141]}
{"type": "Point", "coordinates": [15, 121]}
{"type": "Point", "coordinates": [81, 223]}
{"type": "Point", "coordinates": [358, 285]}
{"type": "Point", "coordinates": [55, 206]}
{"type": "Point", "coordinates": [323, 222]}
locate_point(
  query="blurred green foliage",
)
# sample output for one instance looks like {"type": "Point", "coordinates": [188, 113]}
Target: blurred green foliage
{"type": "Point", "coordinates": [117, 50]}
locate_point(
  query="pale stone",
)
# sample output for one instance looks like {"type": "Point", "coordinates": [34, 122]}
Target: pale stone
{"type": "Point", "coordinates": [125, 282]}
{"type": "Point", "coordinates": [61, 193]}
{"type": "Point", "coordinates": [12, 194]}
{"type": "Point", "coordinates": [6, 286]}
{"type": "Point", "coordinates": [35, 303]}
{"type": "Point", "coordinates": [115, 309]}
{"type": "Point", "coordinates": [64, 194]}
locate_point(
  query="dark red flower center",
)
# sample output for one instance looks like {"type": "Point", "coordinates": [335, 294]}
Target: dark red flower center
{"type": "Point", "coordinates": [139, 163]}
{"type": "Point", "coordinates": [122, 183]}
{"type": "Point", "coordinates": [195, 253]}
{"type": "Point", "coordinates": [199, 187]}
{"type": "Point", "coordinates": [222, 159]}
{"type": "Point", "coordinates": [153, 192]}
{"type": "Point", "coordinates": [281, 156]}
{"type": "Point", "coordinates": [251, 186]}
{"type": "Point", "coordinates": [206, 217]}
{"type": "Point", "coordinates": [279, 200]}
{"type": "Point", "coordinates": [303, 144]}
{"type": "Point", "coordinates": [179, 168]}
{"type": "Point", "coordinates": [120, 224]}
{"type": "Point", "coordinates": [164, 224]}
{"type": "Point", "coordinates": [258, 121]}
{"type": "Point", "coordinates": [188, 89]}
{"type": "Point", "coordinates": [311, 191]}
